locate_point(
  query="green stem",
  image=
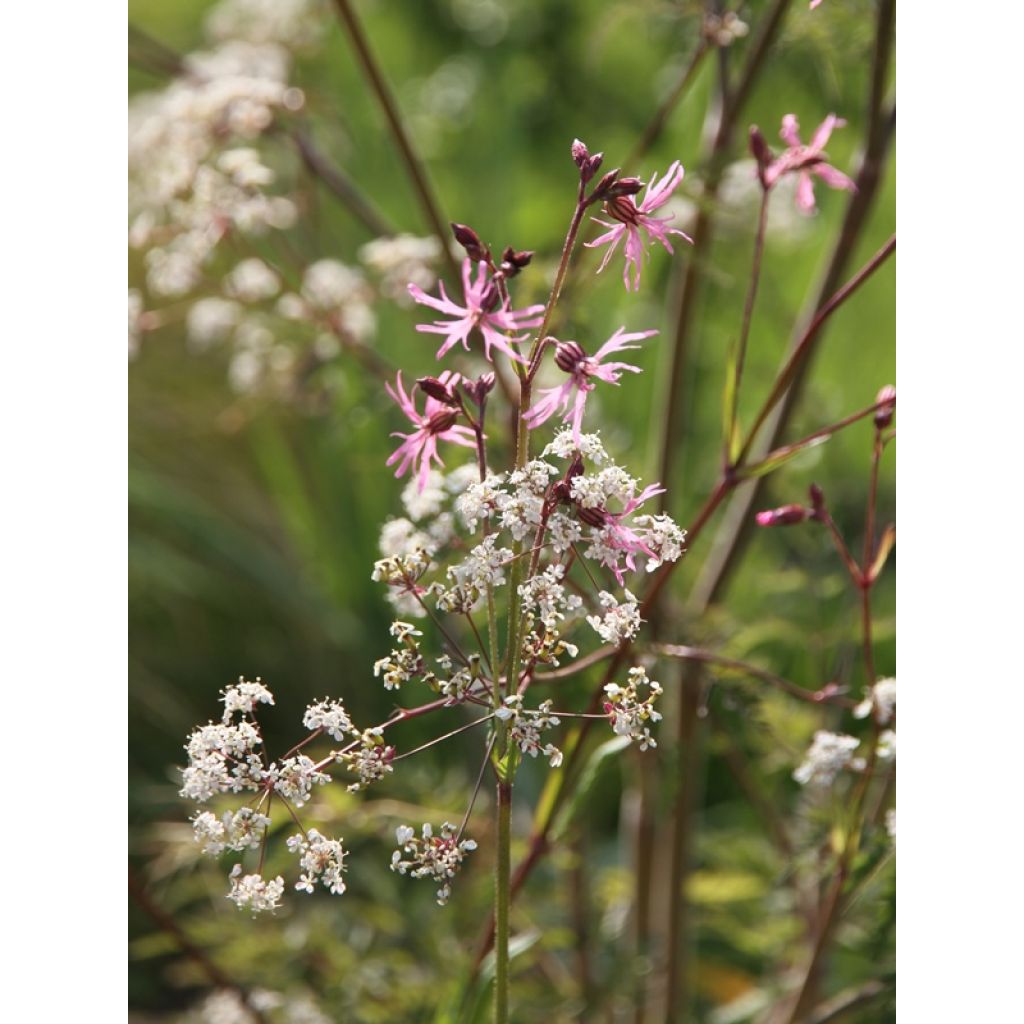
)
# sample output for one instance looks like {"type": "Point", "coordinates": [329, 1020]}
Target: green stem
{"type": "Point", "coordinates": [502, 901]}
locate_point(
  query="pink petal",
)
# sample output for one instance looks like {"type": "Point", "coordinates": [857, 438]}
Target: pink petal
{"type": "Point", "coordinates": [824, 132]}
{"type": "Point", "coordinates": [658, 195]}
{"type": "Point", "coordinates": [790, 132]}
{"type": "Point", "coordinates": [805, 193]}
{"type": "Point", "coordinates": [833, 178]}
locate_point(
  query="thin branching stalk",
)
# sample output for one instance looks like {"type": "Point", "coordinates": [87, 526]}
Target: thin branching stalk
{"type": "Point", "coordinates": [413, 163]}
{"type": "Point", "coordinates": [340, 185]}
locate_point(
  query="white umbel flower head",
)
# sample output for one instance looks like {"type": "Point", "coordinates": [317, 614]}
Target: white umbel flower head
{"type": "Point", "coordinates": [827, 756]}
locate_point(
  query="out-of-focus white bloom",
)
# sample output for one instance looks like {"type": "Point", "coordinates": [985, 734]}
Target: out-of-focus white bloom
{"type": "Point", "coordinates": [210, 321]}
{"type": "Point", "coordinates": [436, 857]}
{"type": "Point", "coordinates": [401, 537]}
{"type": "Point", "coordinates": [620, 622]}
{"type": "Point", "coordinates": [321, 859]}
{"type": "Point", "coordinates": [328, 284]}
{"type": "Point", "coordinates": [827, 756]}
{"type": "Point", "coordinates": [244, 167]}
{"type": "Point", "coordinates": [253, 892]}
{"type": "Point", "coordinates": [887, 745]}
{"type": "Point", "coordinates": [421, 502]}
{"type": "Point", "coordinates": [252, 281]}
{"type": "Point", "coordinates": [292, 23]}
{"type": "Point", "coordinates": [890, 824]}
{"type": "Point", "coordinates": [400, 261]}
{"type": "Point", "coordinates": [724, 29]}
{"type": "Point", "coordinates": [881, 697]}
{"type": "Point", "coordinates": [739, 196]}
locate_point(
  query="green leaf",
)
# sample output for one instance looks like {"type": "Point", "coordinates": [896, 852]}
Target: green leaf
{"type": "Point", "coordinates": [777, 458]}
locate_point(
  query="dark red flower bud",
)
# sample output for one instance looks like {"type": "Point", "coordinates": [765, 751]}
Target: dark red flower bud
{"type": "Point", "coordinates": [470, 241]}
{"type": "Point", "coordinates": [601, 188]}
{"type": "Point", "coordinates": [761, 152]}
{"type": "Point", "coordinates": [817, 499]}
{"type": "Point", "coordinates": [436, 389]}
{"type": "Point", "coordinates": [787, 515]}
{"type": "Point", "coordinates": [512, 261]}
{"type": "Point", "coordinates": [479, 389]}
{"type": "Point", "coordinates": [580, 153]}
{"type": "Point", "coordinates": [625, 187]}
{"type": "Point", "coordinates": [883, 418]}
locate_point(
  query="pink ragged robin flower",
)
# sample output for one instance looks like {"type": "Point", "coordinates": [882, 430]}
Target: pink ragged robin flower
{"type": "Point", "coordinates": [633, 217]}
{"type": "Point", "coordinates": [483, 311]}
{"type": "Point", "coordinates": [613, 541]}
{"type": "Point", "coordinates": [583, 370]}
{"type": "Point", "coordinates": [436, 423]}
{"type": "Point", "coordinates": [807, 161]}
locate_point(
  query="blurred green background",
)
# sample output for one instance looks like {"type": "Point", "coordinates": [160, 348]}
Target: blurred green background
{"type": "Point", "coordinates": [254, 522]}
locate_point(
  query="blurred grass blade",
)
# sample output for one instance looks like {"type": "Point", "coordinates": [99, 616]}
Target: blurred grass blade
{"type": "Point", "coordinates": [885, 546]}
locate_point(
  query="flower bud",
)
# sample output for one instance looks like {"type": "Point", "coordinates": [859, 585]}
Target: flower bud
{"type": "Point", "coordinates": [786, 515]}
{"type": "Point", "coordinates": [580, 153]}
{"type": "Point", "coordinates": [438, 390]}
{"type": "Point", "coordinates": [512, 261]}
{"type": "Point", "coordinates": [479, 389]}
{"type": "Point", "coordinates": [883, 418]}
{"type": "Point", "coordinates": [625, 187]}
{"type": "Point", "coordinates": [817, 499]}
{"type": "Point", "coordinates": [470, 241]}
{"type": "Point", "coordinates": [761, 152]}
{"type": "Point", "coordinates": [601, 188]}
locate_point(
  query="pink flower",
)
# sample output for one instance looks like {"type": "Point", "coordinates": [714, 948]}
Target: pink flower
{"type": "Point", "coordinates": [632, 218]}
{"type": "Point", "coordinates": [582, 370]}
{"type": "Point", "coordinates": [483, 310]}
{"type": "Point", "coordinates": [613, 541]}
{"type": "Point", "coordinates": [807, 161]}
{"type": "Point", "coordinates": [435, 423]}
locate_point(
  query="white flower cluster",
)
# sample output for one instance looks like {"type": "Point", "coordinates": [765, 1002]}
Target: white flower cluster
{"type": "Point", "coordinates": [882, 698]}
{"type": "Point", "coordinates": [438, 857]}
{"type": "Point", "coordinates": [254, 892]}
{"type": "Point", "coordinates": [243, 829]}
{"type": "Point", "coordinates": [629, 711]}
{"type": "Point", "coordinates": [402, 260]}
{"type": "Point", "coordinates": [403, 663]}
{"type": "Point", "coordinates": [370, 760]}
{"type": "Point", "coordinates": [483, 567]}
{"type": "Point", "coordinates": [525, 727]}
{"type": "Point", "coordinates": [829, 754]}
{"type": "Point", "coordinates": [244, 697]}
{"type": "Point", "coordinates": [331, 716]}
{"type": "Point", "coordinates": [621, 620]}
{"type": "Point", "coordinates": [321, 859]}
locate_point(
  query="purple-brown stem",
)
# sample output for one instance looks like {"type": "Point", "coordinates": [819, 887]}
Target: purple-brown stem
{"type": "Point", "coordinates": [413, 164]}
